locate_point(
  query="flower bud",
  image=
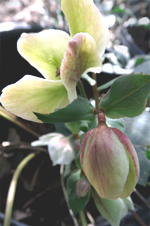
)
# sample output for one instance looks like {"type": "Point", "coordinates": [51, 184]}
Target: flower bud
{"type": "Point", "coordinates": [109, 161]}
{"type": "Point", "coordinates": [82, 187]}
{"type": "Point", "coordinates": [77, 145]}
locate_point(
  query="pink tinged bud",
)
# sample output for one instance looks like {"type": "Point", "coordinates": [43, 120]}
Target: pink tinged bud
{"type": "Point", "coordinates": [109, 161]}
{"type": "Point", "coordinates": [82, 188]}
{"type": "Point", "coordinates": [77, 145]}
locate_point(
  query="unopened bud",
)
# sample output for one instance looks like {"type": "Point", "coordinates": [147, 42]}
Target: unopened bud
{"type": "Point", "coordinates": [109, 161]}
{"type": "Point", "coordinates": [77, 144]}
{"type": "Point", "coordinates": [83, 187]}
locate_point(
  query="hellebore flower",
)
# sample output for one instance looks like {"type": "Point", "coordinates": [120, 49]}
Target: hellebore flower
{"type": "Point", "coordinates": [59, 147]}
{"type": "Point", "coordinates": [109, 161]}
{"type": "Point", "coordinates": [60, 58]}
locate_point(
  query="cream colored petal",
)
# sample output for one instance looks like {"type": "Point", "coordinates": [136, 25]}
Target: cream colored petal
{"type": "Point", "coordinates": [84, 16]}
{"type": "Point", "coordinates": [60, 150]}
{"type": "Point", "coordinates": [44, 139]}
{"type": "Point", "coordinates": [80, 57]}
{"type": "Point", "coordinates": [44, 50]}
{"type": "Point", "coordinates": [32, 94]}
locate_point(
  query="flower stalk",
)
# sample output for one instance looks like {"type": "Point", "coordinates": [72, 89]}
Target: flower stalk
{"type": "Point", "coordinates": [12, 188]}
{"type": "Point", "coordinates": [12, 118]}
{"type": "Point", "coordinates": [83, 218]}
{"type": "Point", "coordinates": [65, 194]}
{"type": "Point", "coordinates": [81, 89]}
{"type": "Point", "coordinates": [95, 92]}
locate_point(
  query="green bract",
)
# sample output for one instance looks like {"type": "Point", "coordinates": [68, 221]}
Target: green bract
{"type": "Point", "coordinates": [61, 59]}
{"type": "Point", "coordinates": [112, 210]}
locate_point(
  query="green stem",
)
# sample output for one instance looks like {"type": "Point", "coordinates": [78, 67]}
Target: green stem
{"type": "Point", "coordinates": [95, 92]}
{"type": "Point", "coordinates": [142, 198]}
{"type": "Point", "coordinates": [81, 89]}
{"type": "Point", "coordinates": [65, 194]}
{"type": "Point", "coordinates": [12, 189]}
{"type": "Point", "coordinates": [7, 115]}
{"type": "Point", "coordinates": [83, 218]}
{"type": "Point", "coordinates": [137, 218]}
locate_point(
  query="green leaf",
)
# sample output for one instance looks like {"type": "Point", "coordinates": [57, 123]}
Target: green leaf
{"type": "Point", "coordinates": [144, 166]}
{"type": "Point", "coordinates": [77, 161]}
{"type": "Point", "coordinates": [117, 9]}
{"type": "Point", "coordinates": [106, 85]}
{"type": "Point", "coordinates": [143, 68]}
{"type": "Point", "coordinates": [127, 96]}
{"type": "Point", "coordinates": [146, 26]}
{"type": "Point", "coordinates": [121, 11]}
{"type": "Point", "coordinates": [61, 128]}
{"type": "Point", "coordinates": [77, 110]}
{"type": "Point", "coordinates": [116, 123]}
{"type": "Point", "coordinates": [138, 130]}
{"type": "Point", "coordinates": [89, 124]}
{"type": "Point", "coordinates": [84, 126]}
{"type": "Point", "coordinates": [74, 127]}
{"type": "Point", "coordinates": [148, 153]}
{"type": "Point", "coordinates": [139, 61]}
{"type": "Point", "coordinates": [112, 210]}
{"type": "Point", "coordinates": [75, 203]}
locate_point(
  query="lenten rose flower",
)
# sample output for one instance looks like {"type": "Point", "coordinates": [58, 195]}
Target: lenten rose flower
{"type": "Point", "coordinates": [61, 58]}
{"type": "Point", "coordinates": [59, 147]}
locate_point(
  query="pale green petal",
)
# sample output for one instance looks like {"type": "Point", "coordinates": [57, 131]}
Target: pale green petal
{"type": "Point", "coordinates": [91, 81]}
{"type": "Point", "coordinates": [44, 50]}
{"type": "Point", "coordinates": [131, 179]}
{"type": "Point", "coordinates": [80, 57]}
{"type": "Point", "coordinates": [112, 210]}
{"type": "Point", "coordinates": [128, 202]}
{"type": "Point", "coordinates": [84, 16]}
{"type": "Point", "coordinates": [32, 94]}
